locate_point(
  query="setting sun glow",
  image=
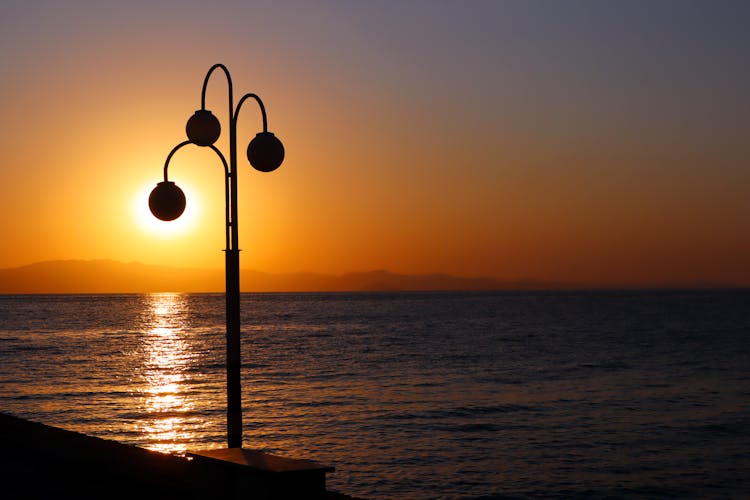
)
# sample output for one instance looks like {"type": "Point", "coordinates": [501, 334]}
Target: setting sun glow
{"type": "Point", "coordinates": [148, 223]}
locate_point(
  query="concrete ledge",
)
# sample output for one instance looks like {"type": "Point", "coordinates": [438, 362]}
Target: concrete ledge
{"type": "Point", "coordinates": [261, 461]}
{"type": "Point", "coordinates": [39, 461]}
{"type": "Point", "coordinates": [277, 477]}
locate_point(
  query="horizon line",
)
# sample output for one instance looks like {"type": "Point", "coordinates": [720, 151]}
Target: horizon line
{"type": "Point", "coordinates": [82, 281]}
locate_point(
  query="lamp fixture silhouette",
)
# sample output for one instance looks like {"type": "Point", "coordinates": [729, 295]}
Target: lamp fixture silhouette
{"type": "Point", "coordinates": [167, 202]}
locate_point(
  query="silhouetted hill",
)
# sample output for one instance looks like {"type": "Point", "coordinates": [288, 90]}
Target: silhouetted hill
{"type": "Point", "coordinates": [107, 276]}
{"type": "Point", "coordinates": [384, 280]}
{"type": "Point", "coordinates": [363, 281]}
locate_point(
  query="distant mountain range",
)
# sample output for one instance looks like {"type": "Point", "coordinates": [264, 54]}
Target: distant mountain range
{"type": "Point", "coordinates": [107, 276]}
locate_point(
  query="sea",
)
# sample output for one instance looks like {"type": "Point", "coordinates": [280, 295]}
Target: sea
{"type": "Point", "coordinates": [470, 395]}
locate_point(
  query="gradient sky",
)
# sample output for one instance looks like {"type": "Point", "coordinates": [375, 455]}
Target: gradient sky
{"type": "Point", "coordinates": [597, 142]}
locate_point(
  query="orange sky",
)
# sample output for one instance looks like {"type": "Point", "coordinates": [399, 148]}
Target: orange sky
{"type": "Point", "coordinates": [588, 143]}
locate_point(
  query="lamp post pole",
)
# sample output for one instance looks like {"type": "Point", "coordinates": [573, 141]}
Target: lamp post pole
{"type": "Point", "coordinates": [167, 202]}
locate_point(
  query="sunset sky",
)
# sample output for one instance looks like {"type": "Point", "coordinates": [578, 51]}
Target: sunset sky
{"type": "Point", "coordinates": [584, 141]}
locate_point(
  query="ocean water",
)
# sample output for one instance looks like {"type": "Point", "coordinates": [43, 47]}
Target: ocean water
{"type": "Point", "coordinates": [412, 395]}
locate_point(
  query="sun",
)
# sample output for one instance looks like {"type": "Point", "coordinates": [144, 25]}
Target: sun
{"type": "Point", "coordinates": [146, 222]}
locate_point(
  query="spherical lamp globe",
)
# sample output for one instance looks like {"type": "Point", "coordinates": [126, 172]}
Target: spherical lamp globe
{"type": "Point", "coordinates": [203, 128]}
{"type": "Point", "coordinates": [265, 152]}
{"type": "Point", "coordinates": [167, 201]}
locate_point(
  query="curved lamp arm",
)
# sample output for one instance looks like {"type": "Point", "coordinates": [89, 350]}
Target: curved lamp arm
{"type": "Point", "coordinates": [205, 84]}
{"type": "Point", "coordinates": [226, 178]}
{"type": "Point", "coordinates": [170, 155]}
{"type": "Point", "coordinates": [262, 109]}
{"type": "Point", "coordinates": [233, 114]}
{"type": "Point", "coordinates": [185, 143]}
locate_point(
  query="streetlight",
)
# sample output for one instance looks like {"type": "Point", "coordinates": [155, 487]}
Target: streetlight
{"type": "Point", "coordinates": [167, 202]}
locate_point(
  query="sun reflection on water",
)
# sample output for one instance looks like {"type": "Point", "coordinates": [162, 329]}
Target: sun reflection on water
{"type": "Point", "coordinates": [167, 357]}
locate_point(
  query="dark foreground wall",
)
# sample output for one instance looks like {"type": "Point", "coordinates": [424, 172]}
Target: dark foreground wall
{"type": "Point", "coordinates": [39, 461]}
